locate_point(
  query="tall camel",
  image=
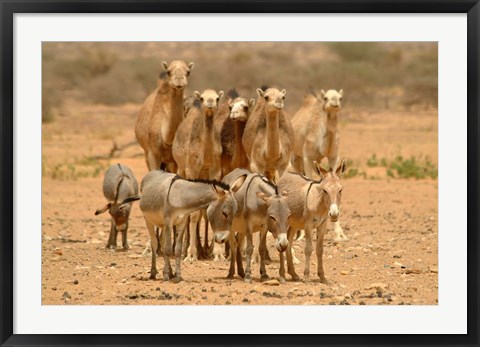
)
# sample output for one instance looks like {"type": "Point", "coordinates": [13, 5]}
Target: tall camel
{"type": "Point", "coordinates": [268, 136]}
{"type": "Point", "coordinates": [317, 137]}
{"type": "Point", "coordinates": [160, 116]}
{"type": "Point", "coordinates": [197, 150]}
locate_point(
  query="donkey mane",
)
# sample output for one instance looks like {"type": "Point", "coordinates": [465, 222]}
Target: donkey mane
{"type": "Point", "coordinates": [305, 177]}
{"type": "Point", "coordinates": [207, 181]}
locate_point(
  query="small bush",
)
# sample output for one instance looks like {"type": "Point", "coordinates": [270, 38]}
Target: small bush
{"type": "Point", "coordinates": [412, 168]}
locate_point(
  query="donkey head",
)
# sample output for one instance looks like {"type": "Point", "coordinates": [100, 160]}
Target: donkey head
{"type": "Point", "coordinates": [119, 211]}
{"type": "Point", "coordinates": [277, 218]}
{"type": "Point", "coordinates": [331, 188]}
{"type": "Point", "coordinates": [220, 212]}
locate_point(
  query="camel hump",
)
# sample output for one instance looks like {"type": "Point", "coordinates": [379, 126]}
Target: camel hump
{"type": "Point", "coordinates": [232, 94]}
{"type": "Point", "coordinates": [309, 100]}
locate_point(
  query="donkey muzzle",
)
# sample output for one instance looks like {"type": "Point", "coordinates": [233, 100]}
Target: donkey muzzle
{"type": "Point", "coordinates": [333, 212]}
{"type": "Point", "coordinates": [222, 236]}
{"type": "Point", "coordinates": [281, 243]}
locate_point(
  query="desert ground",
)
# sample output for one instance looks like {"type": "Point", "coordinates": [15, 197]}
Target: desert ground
{"type": "Point", "coordinates": [391, 256]}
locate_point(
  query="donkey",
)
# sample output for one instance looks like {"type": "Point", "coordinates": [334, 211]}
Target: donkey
{"type": "Point", "coordinates": [166, 202]}
{"type": "Point", "coordinates": [260, 208]}
{"type": "Point", "coordinates": [120, 188]}
{"type": "Point", "coordinates": [312, 203]}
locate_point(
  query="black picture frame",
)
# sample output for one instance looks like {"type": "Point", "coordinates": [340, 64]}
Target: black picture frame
{"type": "Point", "coordinates": [10, 7]}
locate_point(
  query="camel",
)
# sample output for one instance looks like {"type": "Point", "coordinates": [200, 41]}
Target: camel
{"type": "Point", "coordinates": [166, 202]}
{"type": "Point", "coordinates": [261, 208]}
{"type": "Point", "coordinates": [197, 150]}
{"type": "Point", "coordinates": [311, 203]}
{"type": "Point", "coordinates": [235, 113]}
{"type": "Point", "coordinates": [160, 116]}
{"type": "Point", "coordinates": [317, 137]}
{"type": "Point", "coordinates": [268, 136]}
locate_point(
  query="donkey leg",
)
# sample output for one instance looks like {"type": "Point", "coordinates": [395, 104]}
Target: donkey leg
{"type": "Point", "coordinates": [111, 237]}
{"type": "Point", "coordinates": [124, 237]}
{"type": "Point", "coordinates": [240, 242]}
{"type": "Point", "coordinates": [154, 245]}
{"type": "Point", "coordinates": [281, 271]}
{"type": "Point", "coordinates": [178, 252]}
{"type": "Point", "coordinates": [233, 255]}
{"type": "Point", "coordinates": [167, 251]}
{"type": "Point", "coordinates": [290, 262]}
{"type": "Point", "coordinates": [263, 250]}
{"type": "Point", "coordinates": [320, 235]}
{"type": "Point", "coordinates": [308, 250]}
{"type": "Point", "coordinates": [192, 248]}
{"type": "Point", "coordinates": [249, 251]}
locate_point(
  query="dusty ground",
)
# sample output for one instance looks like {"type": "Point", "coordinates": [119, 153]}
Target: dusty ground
{"type": "Point", "coordinates": [391, 257]}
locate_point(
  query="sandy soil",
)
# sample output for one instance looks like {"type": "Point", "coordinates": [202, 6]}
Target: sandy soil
{"type": "Point", "coordinates": [391, 257]}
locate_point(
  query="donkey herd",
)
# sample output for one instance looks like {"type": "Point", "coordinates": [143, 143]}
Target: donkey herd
{"type": "Point", "coordinates": [241, 165]}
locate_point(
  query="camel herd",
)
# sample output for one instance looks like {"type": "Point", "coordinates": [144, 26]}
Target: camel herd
{"type": "Point", "coordinates": [241, 165]}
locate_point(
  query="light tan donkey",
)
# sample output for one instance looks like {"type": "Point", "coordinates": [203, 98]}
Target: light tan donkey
{"type": "Point", "coordinates": [317, 137]}
{"type": "Point", "coordinates": [311, 203]}
{"type": "Point", "coordinates": [160, 116]}
{"type": "Point", "coordinates": [268, 136]}
{"type": "Point", "coordinates": [234, 115]}
{"type": "Point", "coordinates": [197, 150]}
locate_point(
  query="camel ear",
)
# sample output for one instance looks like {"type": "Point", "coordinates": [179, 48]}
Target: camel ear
{"type": "Point", "coordinates": [191, 65]}
{"type": "Point", "coordinates": [284, 92]}
{"type": "Point", "coordinates": [251, 102]}
{"type": "Point", "coordinates": [103, 209]}
{"type": "Point", "coordinates": [340, 92]}
{"type": "Point", "coordinates": [319, 170]}
{"type": "Point", "coordinates": [220, 94]}
{"type": "Point", "coordinates": [197, 94]}
{"type": "Point", "coordinates": [323, 93]}
{"type": "Point", "coordinates": [165, 65]}
{"type": "Point", "coordinates": [238, 183]}
{"type": "Point", "coordinates": [260, 92]}
{"type": "Point", "coordinates": [262, 196]}
{"type": "Point", "coordinates": [342, 168]}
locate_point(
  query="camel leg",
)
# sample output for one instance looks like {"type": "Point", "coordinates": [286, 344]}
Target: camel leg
{"type": "Point", "coordinates": [290, 267]}
{"type": "Point", "coordinates": [167, 250]}
{"type": "Point", "coordinates": [297, 164]}
{"type": "Point", "coordinates": [308, 250]}
{"type": "Point", "coordinates": [256, 243]}
{"type": "Point", "coordinates": [249, 251]}
{"type": "Point", "coordinates": [187, 239]}
{"type": "Point", "coordinates": [192, 248]}
{"type": "Point", "coordinates": [339, 235]}
{"type": "Point", "coordinates": [308, 167]}
{"type": "Point", "coordinates": [154, 245]}
{"type": "Point", "coordinates": [320, 235]}
{"type": "Point", "coordinates": [281, 271]}
{"type": "Point", "coordinates": [178, 251]}
{"type": "Point", "coordinates": [152, 162]}
{"type": "Point", "coordinates": [262, 247]}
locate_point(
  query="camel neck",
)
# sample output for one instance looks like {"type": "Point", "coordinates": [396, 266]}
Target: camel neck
{"type": "Point", "coordinates": [239, 155]}
{"type": "Point", "coordinates": [175, 116]}
{"type": "Point", "coordinates": [207, 139]}
{"type": "Point", "coordinates": [273, 135]}
{"type": "Point", "coordinates": [332, 121]}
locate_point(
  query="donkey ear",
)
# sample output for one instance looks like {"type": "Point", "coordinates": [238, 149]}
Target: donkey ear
{"type": "Point", "coordinates": [238, 183]}
{"type": "Point", "coordinates": [260, 92]}
{"type": "Point", "coordinates": [130, 199]}
{"type": "Point", "coordinates": [165, 65]}
{"type": "Point", "coordinates": [263, 196]}
{"type": "Point", "coordinates": [191, 65]}
{"type": "Point", "coordinates": [319, 170]}
{"type": "Point", "coordinates": [197, 94]}
{"type": "Point", "coordinates": [342, 168]}
{"type": "Point", "coordinates": [251, 102]}
{"type": "Point", "coordinates": [103, 209]}
{"type": "Point", "coordinates": [221, 193]}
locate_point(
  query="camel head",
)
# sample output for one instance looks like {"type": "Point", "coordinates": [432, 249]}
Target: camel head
{"type": "Point", "coordinates": [240, 109]}
{"type": "Point", "coordinates": [278, 213]}
{"type": "Point", "coordinates": [178, 72]}
{"type": "Point", "coordinates": [332, 100]}
{"type": "Point", "coordinates": [209, 100]}
{"type": "Point", "coordinates": [331, 188]}
{"type": "Point", "coordinates": [274, 99]}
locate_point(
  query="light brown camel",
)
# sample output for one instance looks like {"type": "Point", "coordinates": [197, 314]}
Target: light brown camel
{"type": "Point", "coordinates": [233, 117]}
{"type": "Point", "coordinates": [268, 136]}
{"type": "Point", "coordinates": [161, 114]}
{"type": "Point", "coordinates": [197, 150]}
{"type": "Point", "coordinates": [317, 137]}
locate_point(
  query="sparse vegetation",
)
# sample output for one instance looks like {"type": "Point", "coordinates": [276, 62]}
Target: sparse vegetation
{"type": "Point", "coordinates": [400, 167]}
{"type": "Point", "coordinates": [72, 171]}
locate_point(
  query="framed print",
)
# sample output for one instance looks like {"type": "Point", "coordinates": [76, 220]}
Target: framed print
{"type": "Point", "coordinates": [280, 173]}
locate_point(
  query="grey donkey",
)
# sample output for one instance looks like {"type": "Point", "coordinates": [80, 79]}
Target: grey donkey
{"type": "Point", "coordinates": [167, 200]}
{"type": "Point", "coordinates": [261, 208]}
{"type": "Point", "coordinates": [312, 203]}
{"type": "Point", "coordinates": [120, 188]}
